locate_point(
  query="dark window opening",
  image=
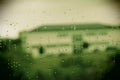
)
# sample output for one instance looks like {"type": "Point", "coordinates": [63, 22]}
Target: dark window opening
{"type": "Point", "coordinates": [85, 45]}
{"type": "Point", "coordinates": [41, 50]}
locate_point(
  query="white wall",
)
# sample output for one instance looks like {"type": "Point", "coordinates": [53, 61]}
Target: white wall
{"type": "Point", "coordinates": [101, 39]}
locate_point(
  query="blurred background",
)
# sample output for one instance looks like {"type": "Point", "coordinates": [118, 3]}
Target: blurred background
{"type": "Point", "coordinates": [31, 29]}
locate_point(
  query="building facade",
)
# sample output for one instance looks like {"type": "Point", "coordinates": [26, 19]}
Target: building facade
{"type": "Point", "coordinates": [70, 39]}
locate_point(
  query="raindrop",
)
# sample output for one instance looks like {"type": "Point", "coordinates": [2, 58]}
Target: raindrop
{"type": "Point", "coordinates": [63, 28]}
{"type": "Point", "coordinates": [9, 40]}
{"type": "Point", "coordinates": [43, 11]}
{"type": "Point", "coordinates": [11, 24]}
{"type": "Point", "coordinates": [72, 71]}
{"type": "Point", "coordinates": [14, 46]}
{"type": "Point", "coordinates": [55, 72]}
{"type": "Point", "coordinates": [45, 27]}
{"type": "Point", "coordinates": [31, 63]}
{"type": "Point", "coordinates": [7, 35]}
{"type": "Point", "coordinates": [83, 16]}
{"type": "Point", "coordinates": [69, 9]}
{"type": "Point", "coordinates": [11, 66]}
{"type": "Point", "coordinates": [49, 69]}
{"type": "Point", "coordinates": [65, 12]}
{"type": "Point", "coordinates": [74, 28]}
{"type": "Point", "coordinates": [27, 47]}
{"type": "Point", "coordinates": [19, 64]}
{"type": "Point", "coordinates": [13, 61]}
{"type": "Point", "coordinates": [63, 60]}
{"type": "Point", "coordinates": [72, 19]}
{"type": "Point", "coordinates": [8, 63]}
{"type": "Point", "coordinates": [27, 55]}
{"type": "Point", "coordinates": [27, 72]}
{"type": "Point", "coordinates": [114, 61]}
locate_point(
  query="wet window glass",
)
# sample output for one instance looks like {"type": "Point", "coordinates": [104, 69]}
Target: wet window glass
{"type": "Point", "coordinates": [59, 40]}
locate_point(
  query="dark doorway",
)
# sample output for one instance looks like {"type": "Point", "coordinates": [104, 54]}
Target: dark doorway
{"type": "Point", "coordinates": [77, 43]}
{"type": "Point", "coordinates": [77, 49]}
{"type": "Point", "coordinates": [41, 50]}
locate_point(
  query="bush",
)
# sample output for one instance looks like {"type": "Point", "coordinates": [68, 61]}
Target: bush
{"type": "Point", "coordinates": [114, 72]}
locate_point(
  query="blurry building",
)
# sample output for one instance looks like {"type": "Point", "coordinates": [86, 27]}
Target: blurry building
{"type": "Point", "coordinates": [69, 39]}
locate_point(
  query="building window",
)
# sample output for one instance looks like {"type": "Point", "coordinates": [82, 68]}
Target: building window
{"type": "Point", "coordinates": [41, 50]}
{"type": "Point", "coordinates": [77, 38]}
{"type": "Point", "coordinates": [85, 45]}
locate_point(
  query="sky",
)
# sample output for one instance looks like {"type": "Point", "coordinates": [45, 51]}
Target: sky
{"type": "Point", "coordinates": [19, 15]}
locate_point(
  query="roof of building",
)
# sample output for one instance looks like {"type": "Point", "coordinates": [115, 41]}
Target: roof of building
{"type": "Point", "coordinates": [62, 27]}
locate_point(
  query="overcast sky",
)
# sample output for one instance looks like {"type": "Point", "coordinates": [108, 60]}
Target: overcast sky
{"type": "Point", "coordinates": [27, 14]}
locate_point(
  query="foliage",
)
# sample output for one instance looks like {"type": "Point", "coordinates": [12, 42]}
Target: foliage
{"type": "Point", "coordinates": [19, 65]}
